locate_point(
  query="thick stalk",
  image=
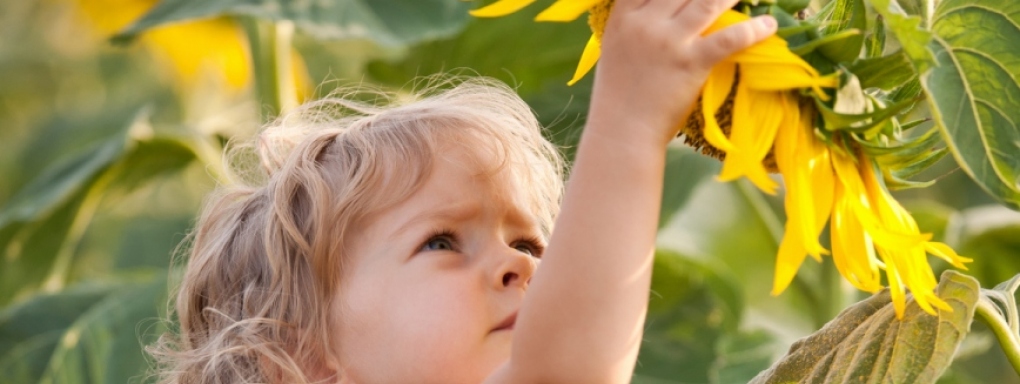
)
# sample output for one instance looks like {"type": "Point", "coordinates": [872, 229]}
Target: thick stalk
{"type": "Point", "coordinates": [989, 314]}
{"type": "Point", "coordinates": [270, 43]}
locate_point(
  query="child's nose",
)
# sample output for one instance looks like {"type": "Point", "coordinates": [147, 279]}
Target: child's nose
{"type": "Point", "coordinates": [514, 269]}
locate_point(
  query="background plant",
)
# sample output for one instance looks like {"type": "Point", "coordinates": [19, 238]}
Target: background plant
{"type": "Point", "coordinates": [106, 151]}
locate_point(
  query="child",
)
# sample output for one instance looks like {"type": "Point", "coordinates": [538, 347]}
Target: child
{"type": "Point", "coordinates": [396, 245]}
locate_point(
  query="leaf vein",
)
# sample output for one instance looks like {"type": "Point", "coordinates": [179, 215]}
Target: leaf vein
{"type": "Point", "coordinates": [988, 57]}
{"type": "Point", "coordinates": [975, 6]}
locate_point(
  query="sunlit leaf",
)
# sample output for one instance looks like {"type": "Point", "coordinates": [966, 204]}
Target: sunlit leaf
{"type": "Point", "coordinates": [867, 344]}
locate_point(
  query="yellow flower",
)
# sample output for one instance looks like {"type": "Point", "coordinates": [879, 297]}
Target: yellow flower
{"type": "Point", "coordinates": [825, 184]}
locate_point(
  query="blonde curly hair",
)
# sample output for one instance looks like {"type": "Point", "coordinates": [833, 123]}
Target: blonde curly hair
{"type": "Point", "coordinates": [265, 260]}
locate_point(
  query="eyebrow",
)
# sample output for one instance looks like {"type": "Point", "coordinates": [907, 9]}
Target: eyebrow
{"type": "Point", "coordinates": [456, 212]}
{"type": "Point", "coordinates": [453, 212]}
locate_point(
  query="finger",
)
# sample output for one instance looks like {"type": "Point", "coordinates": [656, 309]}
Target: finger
{"type": "Point", "coordinates": [696, 15]}
{"type": "Point", "coordinates": [735, 38]}
{"type": "Point", "coordinates": [628, 5]}
{"type": "Point", "coordinates": [666, 8]}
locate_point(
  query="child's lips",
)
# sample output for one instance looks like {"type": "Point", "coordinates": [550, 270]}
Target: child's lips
{"type": "Point", "coordinates": [507, 324]}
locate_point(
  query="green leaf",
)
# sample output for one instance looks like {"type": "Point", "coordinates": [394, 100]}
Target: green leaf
{"type": "Point", "coordinates": [513, 48]}
{"type": "Point", "coordinates": [741, 356]}
{"type": "Point", "coordinates": [874, 43]}
{"type": "Point", "coordinates": [388, 22]}
{"type": "Point", "coordinates": [909, 31]}
{"type": "Point", "coordinates": [42, 226]}
{"type": "Point", "coordinates": [847, 15]}
{"type": "Point", "coordinates": [886, 72]}
{"type": "Point", "coordinates": [104, 344]}
{"type": "Point", "coordinates": [974, 93]}
{"type": "Point", "coordinates": [867, 344]}
{"type": "Point", "coordinates": [793, 6]}
{"type": "Point", "coordinates": [29, 331]}
{"type": "Point", "coordinates": [691, 307]}
{"type": "Point", "coordinates": [58, 183]}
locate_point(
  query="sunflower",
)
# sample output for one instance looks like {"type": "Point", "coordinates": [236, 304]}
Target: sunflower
{"type": "Point", "coordinates": [756, 113]}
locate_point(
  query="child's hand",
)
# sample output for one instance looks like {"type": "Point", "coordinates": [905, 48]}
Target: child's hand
{"type": "Point", "coordinates": [655, 61]}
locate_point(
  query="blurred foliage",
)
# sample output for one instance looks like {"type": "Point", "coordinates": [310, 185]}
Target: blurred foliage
{"type": "Point", "coordinates": [106, 151]}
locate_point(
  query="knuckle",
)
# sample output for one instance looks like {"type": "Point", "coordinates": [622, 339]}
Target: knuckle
{"type": "Point", "coordinates": [735, 39]}
{"type": "Point", "coordinates": [706, 6]}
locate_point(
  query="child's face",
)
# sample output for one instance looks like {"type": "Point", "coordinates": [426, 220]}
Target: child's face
{"type": "Point", "coordinates": [431, 286]}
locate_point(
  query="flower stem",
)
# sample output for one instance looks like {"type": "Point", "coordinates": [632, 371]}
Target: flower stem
{"type": "Point", "coordinates": [269, 43]}
{"type": "Point", "coordinates": [989, 314]}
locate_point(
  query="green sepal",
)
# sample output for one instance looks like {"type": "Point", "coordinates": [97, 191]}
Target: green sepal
{"type": "Point", "coordinates": [793, 30]}
{"type": "Point", "coordinates": [836, 39]}
{"type": "Point", "coordinates": [793, 6]}
{"type": "Point", "coordinates": [908, 148]}
{"type": "Point", "coordinates": [846, 15]}
{"type": "Point", "coordinates": [917, 164]}
{"type": "Point", "coordinates": [874, 43]}
{"type": "Point", "coordinates": [886, 72]}
{"type": "Point", "coordinates": [894, 183]}
{"type": "Point", "coordinates": [835, 121]}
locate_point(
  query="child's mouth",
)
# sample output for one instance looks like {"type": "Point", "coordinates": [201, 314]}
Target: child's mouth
{"type": "Point", "coordinates": [507, 324]}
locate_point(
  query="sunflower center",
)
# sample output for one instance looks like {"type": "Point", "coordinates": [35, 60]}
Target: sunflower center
{"type": "Point", "coordinates": [597, 17]}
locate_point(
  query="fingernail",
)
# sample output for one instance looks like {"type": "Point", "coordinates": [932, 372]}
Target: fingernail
{"type": "Point", "coordinates": [767, 23]}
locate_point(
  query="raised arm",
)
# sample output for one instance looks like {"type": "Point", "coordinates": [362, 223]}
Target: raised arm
{"type": "Point", "coordinates": [582, 319]}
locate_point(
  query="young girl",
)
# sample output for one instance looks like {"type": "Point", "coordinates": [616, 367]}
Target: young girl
{"type": "Point", "coordinates": [402, 244]}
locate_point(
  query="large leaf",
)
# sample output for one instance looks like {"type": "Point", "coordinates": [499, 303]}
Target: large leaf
{"type": "Point", "coordinates": [29, 332]}
{"type": "Point", "coordinates": [867, 344]}
{"type": "Point", "coordinates": [691, 309]}
{"type": "Point", "coordinates": [42, 225]}
{"type": "Point", "coordinates": [974, 92]}
{"type": "Point", "coordinates": [105, 343]}
{"type": "Point", "coordinates": [388, 22]}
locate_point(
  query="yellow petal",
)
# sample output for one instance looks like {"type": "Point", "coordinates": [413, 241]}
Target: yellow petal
{"type": "Point", "coordinates": [848, 174]}
{"type": "Point", "coordinates": [790, 257]}
{"type": "Point", "coordinates": [753, 133]}
{"type": "Point", "coordinates": [852, 250]}
{"type": "Point", "coordinates": [713, 95]}
{"type": "Point", "coordinates": [500, 8]}
{"type": "Point", "coordinates": [946, 253]}
{"type": "Point", "coordinates": [779, 77]}
{"type": "Point", "coordinates": [589, 57]}
{"type": "Point", "coordinates": [895, 287]}
{"type": "Point", "coordinates": [566, 10]}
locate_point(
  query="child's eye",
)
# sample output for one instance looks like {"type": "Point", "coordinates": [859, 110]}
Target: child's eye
{"type": "Point", "coordinates": [531, 247]}
{"type": "Point", "coordinates": [440, 241]}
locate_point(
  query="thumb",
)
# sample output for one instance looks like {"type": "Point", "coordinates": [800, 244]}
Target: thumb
{"type": "Point", "coordinates": [737, 37]}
